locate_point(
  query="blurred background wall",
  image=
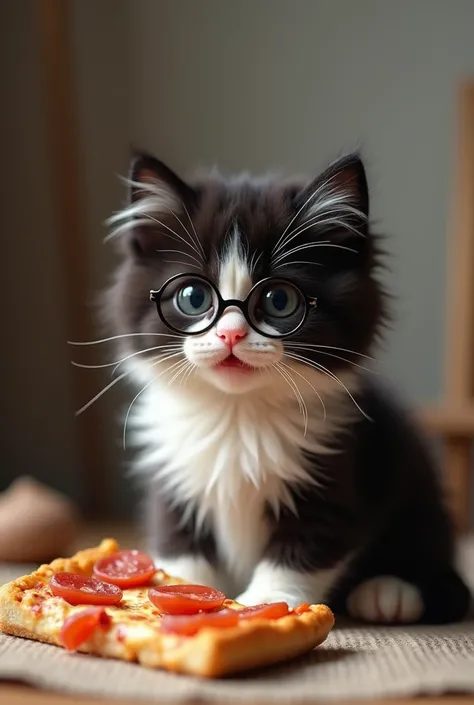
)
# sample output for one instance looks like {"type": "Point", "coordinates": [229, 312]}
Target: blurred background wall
{"type": "Point", "coordinates": [250, 84]}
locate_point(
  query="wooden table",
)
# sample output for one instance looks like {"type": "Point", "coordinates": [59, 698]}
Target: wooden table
{"type": "Point", "coordinates": [16, 694]}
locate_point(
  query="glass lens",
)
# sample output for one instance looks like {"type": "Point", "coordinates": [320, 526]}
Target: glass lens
{"type": "Point", "coordinates": [276, 307]}
{"type": "Point", "coordinates": [188, 304]}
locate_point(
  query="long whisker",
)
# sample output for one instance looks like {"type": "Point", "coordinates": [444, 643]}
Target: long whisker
{"type": "Point", "coordinates": [179, 371]}
{"type": "Point", "coordinates": [186, 230]}
{"type": "Point", "coordinates": [123, 335]}
{"type": "Point", "coordinates": [317, 220]}
{"type": "Point", "coordinates": [288, 264]}
{"type": "Point", "coordinates": [97, 396]}
{"type": "Point", "coordinates": [337, 357]}
{"type": "Point", "coordinates": [185, 254]}
{"type": "Point", "coordinates": [254, 261]}
{"type": "Point", "coordinates": [168, 347]}
{"type": "Point", "coordinates": [173, 232]}
{"type": "Point", "coordinates": [148, 384]}
{"type": "Point", "coordinates": [291, 383]}
{"type": "Point", "coordinates": [310, 385]}
{"type": "Point", "coordinates": [310, 198]}
{"type": "Point", "coordinates": [198, 241]}
{"type": "Point", "coordinates": [328, 373]}
{"type": "Point", "coordinates": [282, 374]}
{"type": "Point", "coordinates": [316, 346]}
{"type": "Point", "coordinates": [309, 246]}
{"type": "Point", "coordinates": [179, 261]}
{"type": "Point", "coordinates": [187, 375]}
{"type": "Point", "coordinates": [111, 384]}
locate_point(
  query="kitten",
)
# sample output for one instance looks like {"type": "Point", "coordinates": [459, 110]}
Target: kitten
{"type": "Point", "coordinates": [274, 466]}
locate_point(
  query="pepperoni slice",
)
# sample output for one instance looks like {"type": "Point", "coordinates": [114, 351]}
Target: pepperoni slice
{"type": "Point", "coordinates": [301, 609]}
{"type": "Point", "coordinates": [80, 590]}
{"type": "Point", "coordinates": [271, 610]}
{"type": "Point", "coordinates": [125, 568]}
{"type": "Point", "coordinates": [185, 599]}
{"type": "Point", "coordinates": [81, 625]}
{"type": "Point", "coordinates": [188, 625]}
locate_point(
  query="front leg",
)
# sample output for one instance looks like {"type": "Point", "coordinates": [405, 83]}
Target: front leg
{"type": "Point", "coordinates": [177, 546]}
{"type": "Point", "coordinates": [276, 583]}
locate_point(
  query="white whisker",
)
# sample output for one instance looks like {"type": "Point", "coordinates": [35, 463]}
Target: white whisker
{"type": "Point", "coordinates": [337, 357]}
{"type": "Point", "coordinates": [179, 261]}
{"type": "Point", "coordinates": [328, 373]}
{"type": "Point", "coordinates": [331, 347]}
{"type": "Point", "coordinates": [254, 261]}
{"type": "Point", "coordinates": [310, 198]}
{"type": "Point", "coordinates": [97, 396]}
{"type": "Point", "coordinates": [309, 246]}
{"type": "Point", "coordinates": [195, 242]}
{"type": "Point", "coordinates": [198, 241]}
{"type": "Point", "coordinates": [177, 235]}
{"type": "Point", "coordinates": [119, 362]}
{"type": "Point", "coordinates": [179, 371]}
{"type": "Point", "coordinates": [172, 347]}
{"type": "Point", "coordinates": [141, 392]}
{"type": "Point", "coordinates": [316, 221]}
{"type": "Point", "coordinates": [319, 223]}
{"type": "Point", "coordinates": [185, 254]}
{"type": "Point", "coordinates": [292, 384]}
{"type": "Point", "coordinates": [186, 376]}
{"type": "Point", "coordinates": [298, 261]}
{"type": "Point", "coordinates": [310, 385]}
{"type": "Point", "coordinates": [123, 335]}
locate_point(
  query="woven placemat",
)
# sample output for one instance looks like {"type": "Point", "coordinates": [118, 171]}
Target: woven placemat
{"type": "Point", "coordinates": [353, 663]}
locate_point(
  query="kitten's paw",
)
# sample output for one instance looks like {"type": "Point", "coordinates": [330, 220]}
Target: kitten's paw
{"type": "Point", "coordinates": [251, 597]}
{"type": "Point", "coordinates": [386, 599]}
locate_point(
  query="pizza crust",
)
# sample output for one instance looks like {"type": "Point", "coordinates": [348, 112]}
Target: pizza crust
{"type": "Point", "coordinates": [210, 653]}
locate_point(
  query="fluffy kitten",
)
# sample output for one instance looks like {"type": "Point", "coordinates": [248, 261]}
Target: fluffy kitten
{"type": "Point", "coordinates": [274, 467]}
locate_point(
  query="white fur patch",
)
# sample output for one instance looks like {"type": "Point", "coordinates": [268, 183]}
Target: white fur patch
{"type": "Point", "coordinates": [156, 198]}
{"type": "Point", "coordinates": [225, 444]}
{"type": "Point", "coordinates": [386, 599]}
{"type": "Point", "coordinates": [272, 583]}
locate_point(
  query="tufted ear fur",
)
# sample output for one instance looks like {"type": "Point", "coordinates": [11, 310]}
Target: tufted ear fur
{"type": "Point", "coordinates": [156, 194]}
{"type": "Point", "coordinates": [338, 199]}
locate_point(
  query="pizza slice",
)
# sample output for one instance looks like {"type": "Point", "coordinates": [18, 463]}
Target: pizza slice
{"type": "Point", "coordinates": [116, 604]}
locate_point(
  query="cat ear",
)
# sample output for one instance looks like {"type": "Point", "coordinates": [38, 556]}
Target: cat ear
{"type": "Point", "coordinates": [156, 193]}
{"type": "Point", "coordinates": [338, 199]}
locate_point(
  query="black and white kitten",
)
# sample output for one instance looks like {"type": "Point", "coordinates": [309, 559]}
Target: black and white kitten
{"type": "Point", "coordinates": [275, 467]}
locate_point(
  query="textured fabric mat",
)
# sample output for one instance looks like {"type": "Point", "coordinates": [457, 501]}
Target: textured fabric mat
{"type": "Point", "coordinates": [353, 663]}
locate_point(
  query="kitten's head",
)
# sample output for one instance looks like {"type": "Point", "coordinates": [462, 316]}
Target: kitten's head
{"type": "Point", "coordinates": [204, 243]}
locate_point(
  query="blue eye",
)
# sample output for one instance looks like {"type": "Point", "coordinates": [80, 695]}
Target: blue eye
{"type": "Point", "coordinates": [194, 299]}
{"type": "Point", "coordinates": [280, 300]}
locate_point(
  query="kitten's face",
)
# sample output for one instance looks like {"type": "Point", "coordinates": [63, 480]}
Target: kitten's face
{"type": "Point", "coordinates": [236, 234]}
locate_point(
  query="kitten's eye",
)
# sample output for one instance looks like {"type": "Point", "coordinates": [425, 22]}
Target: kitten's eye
{"type": "Point", "coordinates": [194, 299]}
{"type": "Point", "coordinates": [279, 300]}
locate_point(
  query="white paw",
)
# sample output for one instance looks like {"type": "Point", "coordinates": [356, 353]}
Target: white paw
{"type": "Point", "coordinates": [386, 599]}
{"type": "Point", "coordinates": [251, 597]}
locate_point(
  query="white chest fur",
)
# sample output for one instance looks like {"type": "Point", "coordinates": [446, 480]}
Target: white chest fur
{"type": "Point", "coordinates": [228, 459]}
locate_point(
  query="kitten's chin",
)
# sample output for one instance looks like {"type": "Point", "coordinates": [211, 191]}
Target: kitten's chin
{"type": "Point", "coordinates": [235, 379]}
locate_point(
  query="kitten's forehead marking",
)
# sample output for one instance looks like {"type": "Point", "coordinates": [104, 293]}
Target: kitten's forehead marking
{"type": "Point", "coordinates": [235, 280]}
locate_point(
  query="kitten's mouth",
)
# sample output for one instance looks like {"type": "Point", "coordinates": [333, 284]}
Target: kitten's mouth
{"type": "Point", "coordinates": [233, 362]}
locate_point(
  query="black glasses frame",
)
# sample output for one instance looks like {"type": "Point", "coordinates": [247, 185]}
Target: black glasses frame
{"type": "Point", "coordinates": [310, 303]}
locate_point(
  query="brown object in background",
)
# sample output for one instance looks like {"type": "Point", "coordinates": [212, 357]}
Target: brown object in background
{"type": "Point", "coordinates": [454, 419]}
{"type": "Point", "coordinates": [59, 99]}
{"type": "Point", "coordinates": [36, 523]}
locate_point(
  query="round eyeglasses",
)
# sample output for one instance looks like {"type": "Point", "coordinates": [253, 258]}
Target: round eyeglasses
{"type": "Point", "coordinates": [192, 304]}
